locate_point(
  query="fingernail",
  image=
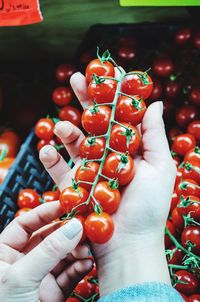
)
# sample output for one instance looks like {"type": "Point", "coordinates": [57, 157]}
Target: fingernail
{"type": "Point", "coordinates": [72, 229]}
{"type": "Point", "coordinates": [46, 150]}
{"type": "Point", "coordinates": [161, 107]}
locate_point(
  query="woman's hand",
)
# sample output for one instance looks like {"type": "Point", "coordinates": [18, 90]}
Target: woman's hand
{"type": "Point", "coordinates": [136, 252]}
{"type": "Point", "coordinates": [40, 259]}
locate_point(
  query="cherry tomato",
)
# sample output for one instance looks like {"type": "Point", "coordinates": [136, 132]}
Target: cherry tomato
{"type": "Point", "coordinates": [177, 219]}
{"type": "Point", "coordinates": [102, 91]}
{"type": "Point", "coordinates": [44, 129]}
{"type": "Point", "coordinates": [194, 95]}
{"type": "Point", "coordinates": [172, 89]}
{"type": "Point", "coordinates": [95, 119]}
{"type": "Point", "coordinates": [62, 96]}
{"type": "Point", "coordinates": [177, 256]}
{"type": "Point", "coordinates": [194, 298]}
{"type": "Point", "coordinates": [41, 143]}
{"type": "Point", "coordinates": [5, 165]}
{"type": "Point", "coordinates": [70, 198]}
{"type": "Point", "coordinates": [72, 299]}
{"type": "Point", "coordinates": [192, 155]}
{"type": "Point", "coordinates": [87, 173]}
{"type": "Point", "coordinates": [176, 160]}
{"type": "Point", "coordinates": [188, 187]}
{"type": "Point", "coordinates": [171, 228]}
{"type": "Point", "coordinates": [11, 148]}
{"type": "Point", "coordinates": [191, 234]}
{"type": "Point", "coordinates": [50, 196]}
{"type": "Point", "coordinates": [99, 228]}
{"type": "Point", "coordinates": [174, 201]}
{"type": "Point", "coordinates": [156, 91]}
{"type": "Point", "coordinates": [28, 198]}
{"type": "Point", "coordinates": [192, 170]}
{"type": "Point", "coordinates": [167, 106]}
{"type": "Point", "coordinates": [173, 133]}
{"type": "Point", "coordinates": [64, 72]}
{"type": "Point", "coordinates": [194, 129]}
{"type": "Point", "coordinates": [183, 143]}
{"type": "Point", "coordinates": [193, 208]}
{"type": "Point", "coordinates": [107, 197]}
{"type": "Point", "coordinates": [100, 69]}
{"type": "Point", "coordinates": [93, 272]}
{"type": "Point", "coordinates": [92, 148]}
{"type": "Point", "coordinates": [123, 140]}
{"type": "Point", "coordinates": [12, 136]}
{"type": "Point", "coordinates": [126, 53]}
{"type": "Point", "coordinates": [130, 110]}
{"type": "Point", "coordinates": [85, 288]}
{"type": "Point", "coordinates": [183, 35]}
{"type": "Point", "coordinates": [22, 211]}
{"type": "Point", "coordinates": [190, 285]}
{"type": "Point", "coordinates": [186, 114]}
{"type": "Point", "coordinates": [196, 40]}
{"type": "Point", "coordinates": [119, 166]}
{"type": "Point", "coordinates": [71, 114]}
{"type": "Point", "coordinates": [179, 175]}
{"type": "Point", "coordinates": [137, 83]}
{"type": "Point", "coordinates": [163, 67]}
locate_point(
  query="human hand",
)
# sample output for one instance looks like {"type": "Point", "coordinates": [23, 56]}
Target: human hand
{"type": "Point", "coordinates": [40, 259]}
{"type": "Point", "coordinates": [138, 241]}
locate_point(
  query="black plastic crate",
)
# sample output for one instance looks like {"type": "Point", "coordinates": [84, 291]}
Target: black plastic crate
{"type": "Point", "coordinates": [26, 172]}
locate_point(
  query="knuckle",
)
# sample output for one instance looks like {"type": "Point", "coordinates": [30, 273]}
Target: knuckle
{"type": "Point", "coordinates": [52, 246]}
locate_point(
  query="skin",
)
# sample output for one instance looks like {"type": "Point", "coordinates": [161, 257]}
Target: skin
{"type": "Point", "coordinates": [134, 239]}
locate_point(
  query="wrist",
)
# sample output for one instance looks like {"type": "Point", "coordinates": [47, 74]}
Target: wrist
{"type": "Point", "coordinates": [132, 261]}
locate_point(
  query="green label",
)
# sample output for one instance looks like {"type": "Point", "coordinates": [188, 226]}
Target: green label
{"type": "Point", "coordinates": [160, 2]}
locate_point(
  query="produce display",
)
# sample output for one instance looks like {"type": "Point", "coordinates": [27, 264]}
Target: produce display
{"type": "Point", "coordinates": [112, 140]}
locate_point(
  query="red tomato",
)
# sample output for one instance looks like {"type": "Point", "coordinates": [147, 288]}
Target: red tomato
{"type": "Point", "coordinates": [85, 288]}
{"type": "Point", "coordinates": [28, 198]}
{"type": "Point", "coordinates": [172, 89]}
{"type": "Point", "coordinates": [102, 92]}
{"type": "Point", "coordinates": [196, 40]}
{"type": "Point", "coordinates": [126, 53]}
{"type": "Point", "coordinates": [192, 170]}
{"type": "Point", "coordinates": [93, 272]}
{"type": "Point", "coordinates": [177, 257]}
{"type": "Point", "coordinates": [188, 187]}
{"type": "Point", "coordinates": [192, 155]}
{"type": "Point", "coordinates": [177, 160]}
{"type": "Point", "coordinates": [163, 67]}
{"type": "Point", "coordinates": [123, 140]}
{"type": "Point", "coordinates": [92, 148]}
{"type": "Point", "coordinates": [177, 219]}
{"type": "Point", "coordinates": [157, 91]}
{"type": "Point", "coordinates": [184, 297]}
{"type": "Point", "coordinates": [50, 196]}
{"type": "Point", "coordinates": [194, 298]}
{"type": "Point", "coordinates": [174, 201]}
{"type": "Point", "coordinates": [191, 281]}
{"type": "Point", "coordinates": [183, 35]}
{"type": "Point", "coordinates": [5, 165]}
{"type": "Point", "coordinates": [173, 133]}
{"type": "Point", "coordinates": [62, 96]}
{"type": "Point", "coordinates": [137, 83]}
{"type": "Point", "coordinates": [70, 198]}
{"type": "Point", "coordinates": [12, 136]}
{"type": "Point", "coordinates": [167, 106]}
{"type": "Point", "coordinates": [119, 166]}
{"type": "Point", "coordinates": [179, 176]}
{"type": "Point", "coordinates": [171, 228]}
{"type": "Point", "coordinates": [186, 114]}
{"type": "Point", "coordinates": [22, 211]}
{"type": "Point", "coordinates": [9, 146]}
{"type": "Point", "coordinates": [193, 208]}
{"type": "Point", "coordinates": [41, 143]}
{"type": "Point", "coordinates": [96, 119]}
{"type": "Point", "coordinates": [44, 129]}
{"type": "Point", "coordinates": [194, 129]}
{"type": "Point", "coordinates": [87, 173]}
{"type": "Point", "coordinates": [64, 72]}
{"type": "Point", "coordinates": [107, 197]}
{"type": "Point", "coordinates": [99, 228]}
{"type": "Point", "coordinates": [130, 110]}
{"type": "Point", "coordinates": [71, 114]}
{"type": "Point", "coordinates": [72, 299]}
{"type": "Point", "coordinates": [191, 234]}
{"type": "Point", "coordinates": [194, 95]}
{"type": "Point", "coordinates": [100, 69]}
{"type": "Point", "coordinates": [183, 143]}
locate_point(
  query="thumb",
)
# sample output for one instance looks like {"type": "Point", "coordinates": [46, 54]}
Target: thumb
{"type": "Point", "coordinates": [155, 144]}
{"type": "Point", "coordinates": [43, 258]}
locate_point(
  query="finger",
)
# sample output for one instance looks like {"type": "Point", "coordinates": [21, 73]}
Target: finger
{"type": "Point", "coordinates": [18, 232]}
{"type": "Point", "coordinates": [54, 163]}
{"type": "Point", "coordinates": [79, 86]}
{"type": "Point", "coordinates": [155, 144]}
{"type": "Point", "coordinates": [69, 278]}
{"type": "Point", "coordinates": [71, 137]}
{"type": "Point", "coordinates": [43, 258]}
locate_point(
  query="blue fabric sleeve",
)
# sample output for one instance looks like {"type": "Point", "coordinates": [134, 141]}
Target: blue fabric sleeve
{"type": "Point", "coordinates": [146, 292]}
